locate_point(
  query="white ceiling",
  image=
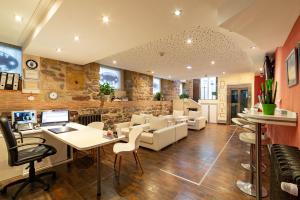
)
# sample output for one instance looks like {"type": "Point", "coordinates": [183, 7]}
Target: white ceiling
{"type": "Point", "coordinates": [133, 23]}
{"type": "Point", "coordinates": [10, 31]}
{"type": "Point", "coordinates": [140, 29]}
{"type": "Point", "coordinates": [227, 49]}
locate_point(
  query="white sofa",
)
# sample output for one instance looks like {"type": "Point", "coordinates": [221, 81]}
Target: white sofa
{"type": "Point", "coordinates": [136, 120]}
{"type": "Point", "coordinates": [158, 133]}
{"type": "Point", "coordinates": [196, 121]}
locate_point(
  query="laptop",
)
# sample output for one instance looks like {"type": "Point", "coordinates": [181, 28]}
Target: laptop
{"type": "Point", "coordinates": [56, 118]}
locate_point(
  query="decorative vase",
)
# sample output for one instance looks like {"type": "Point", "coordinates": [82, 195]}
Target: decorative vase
{"type": "Point", "coordinates": [269, 109]}
{"type": "Point", "coordinates": [107, 98]}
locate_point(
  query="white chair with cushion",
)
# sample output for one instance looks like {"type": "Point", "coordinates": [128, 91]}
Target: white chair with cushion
{"type": "Point", "coordinates": [125, 127]}
{"type": "Point", "coordinates": [196, 121]}
{"type": "Point", "coordinates": [132, 146]}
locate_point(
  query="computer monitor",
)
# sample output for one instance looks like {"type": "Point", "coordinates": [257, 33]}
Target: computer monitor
{"type": "Point", "coordinates": [23, 117]}
{"type": "Point", "coordinates": [55, 117]}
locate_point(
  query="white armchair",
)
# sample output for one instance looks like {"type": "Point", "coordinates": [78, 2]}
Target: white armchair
{"type": "Point", "coordinates": [196, 121]}
{"type": "Point", "coordinates": [125, 127]}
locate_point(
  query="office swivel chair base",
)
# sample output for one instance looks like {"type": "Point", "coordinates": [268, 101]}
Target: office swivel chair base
{"type": "Point", "coordinates": [31, 180]}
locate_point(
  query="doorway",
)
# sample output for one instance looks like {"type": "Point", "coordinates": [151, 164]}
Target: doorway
{"type": "Point", "coordinates": [238, 98]}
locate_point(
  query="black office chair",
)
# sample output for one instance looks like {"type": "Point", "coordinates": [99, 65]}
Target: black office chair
{"type": "Point", "coordinates": [16, 157]}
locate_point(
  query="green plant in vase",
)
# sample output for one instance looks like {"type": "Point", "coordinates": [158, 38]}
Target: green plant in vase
{"type": "Point", "coordinates": [158, 96]}
{"type": "Point", "coordinates": [106, 90]}
{"type": "Point", "coordinates": [184, 96]}
{"type": "Point", "coordinates": [267, 98]}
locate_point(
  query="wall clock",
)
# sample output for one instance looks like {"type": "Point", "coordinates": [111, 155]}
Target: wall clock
{"type": "Point", "coordinates": [53, 95]}
{"type": "Point", "coordinates": [31, 64]}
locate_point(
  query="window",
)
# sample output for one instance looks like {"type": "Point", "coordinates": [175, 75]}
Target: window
{"type": "Point", "coordinates": [111, 76]}
{"type": "Point", "coordinates": [156, 85]}
{"type": "Point", "coordinates": [181, 88]}
{"type": "Point", "coordinates": [208, 88]}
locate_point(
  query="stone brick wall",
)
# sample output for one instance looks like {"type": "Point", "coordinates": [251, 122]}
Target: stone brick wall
{"type": "Point", "coordinates": [78, 87]}
{"type": "Point", "coordinates": [170, 89]}
{"type": "Point", "coordinates": [188, 88]}
{"type": "Point", "coordinates": [138, 86]}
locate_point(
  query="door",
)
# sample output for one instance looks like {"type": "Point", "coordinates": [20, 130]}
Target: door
{"type": "Point", "coordinates": [238, 100]}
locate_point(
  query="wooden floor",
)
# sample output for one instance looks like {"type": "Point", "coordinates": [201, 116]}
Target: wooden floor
{"type": "Point", "coordinates": [205, 165]}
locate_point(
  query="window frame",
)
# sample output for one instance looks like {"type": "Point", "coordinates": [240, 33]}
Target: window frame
{"type": "Point", "coordinates": [159, 85]}
{"type": "Point", "coordinates": [113, 69]}
{"type": "Point", "coordinates": [208, 88]}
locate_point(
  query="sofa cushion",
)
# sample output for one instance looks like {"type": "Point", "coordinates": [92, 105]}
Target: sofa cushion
{"type": "Point", "coordinates": [125, 131]}
{"type": "Point", "coordinates": [147, 138]}
{"type": "Point", "coordinates": [178, 113]}
{"type": "Point", "coordinates": [137, 120]}
{"type": "Point", "coordinates": [146, 117]}
{"type": "Point", "coordinates": [157, 123]}
{"type": "Point", "coordinates": [191, 122]}
{"type": "Point", "coordinates": [194, 114]}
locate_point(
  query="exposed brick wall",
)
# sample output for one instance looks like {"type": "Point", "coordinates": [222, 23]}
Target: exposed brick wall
{"type": "Point", "coordinates": [188, 88]}
{"type": "Point", "coordinates": [138, 86]}
{"type": "Point", "coordinates": [82, 98]}
{"type": "Point", "coordinates": [170, 89]}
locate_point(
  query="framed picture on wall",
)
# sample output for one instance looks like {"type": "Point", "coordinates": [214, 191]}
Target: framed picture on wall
{"type": "Point", "coordinates": [292, 68]}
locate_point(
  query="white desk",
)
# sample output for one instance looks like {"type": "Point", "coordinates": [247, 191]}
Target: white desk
{"type": "Point", "coordinates": [259, 118]}
{"type": "Point", "coordinates": [84, 138]}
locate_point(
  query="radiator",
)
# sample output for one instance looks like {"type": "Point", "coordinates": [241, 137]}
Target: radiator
{"type": "Point", "coordinates": [86, 119]}
{"type": "Point", "coordinates": [285, 167]}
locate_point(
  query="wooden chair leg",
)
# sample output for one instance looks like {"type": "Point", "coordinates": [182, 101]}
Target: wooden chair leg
{"type": "Point", "coordinates": [116, 157]}
{"type": "Point", "coordinates": [119, 173]}
{"type": "Point", "coordinates": [136, 162]}
{"type": "Point", "coordinates": [137, 157]}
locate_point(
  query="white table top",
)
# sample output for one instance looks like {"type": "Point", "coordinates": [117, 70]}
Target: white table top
{"type": "Point", "coordinates": [84, 138]}
{"type": "Point", "coordinates": [258, 117]}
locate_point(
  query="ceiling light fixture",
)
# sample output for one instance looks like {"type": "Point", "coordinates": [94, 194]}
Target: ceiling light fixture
{"type": "Point", "coordinates": [177, 12]}
{"type": "Point", "coordinates": [18, 18]}
{"type": "Point", "coordinates": [253, 47]}
{"type": "Point", "coordinates": [212, 62]}
{"type": "Point", "coordinates": [189, 41]}
{"type": "Point", "coordinates": [189, 67]}
{"type": "Point", "coordinates": [58, 50]}
{"type": "Point", "coordinates": [170, 76]}
{"type": "Point", "coordinates": [261, 69]}
{"type": "Point", "coordinates": [76, 38]}
{"type": "Point", "coordinates": [105, 19]}
{"type": "Point", "coordinates": [223, 73]}
{"type": "Point", "coordinates": [114, 62]}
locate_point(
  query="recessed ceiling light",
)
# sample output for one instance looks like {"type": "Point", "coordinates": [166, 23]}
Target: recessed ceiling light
{"type": "Point", "coordinates": [253, 47]}
{"type": "Point", "coordinates": [189, 41]}
{"type": "Point", "coordinates": [212, 62]}
{"type": "Point", "coordinates": [105, 19]}
{"type": "Point", "coordinates": [170, 76]}
{"type": "Point", "coordinates": [177, 12]}
{"type": "Point", "coordinates": [189, 67]}
{"type": "Point", "coordinates": [152, 72]}
{"type": "Point", "coordinates": [18, 18]}
{"type": "Point", "coordinates": [223, 73]}
{"type": "Point", "coordinates": [76, 38]}
{"type": "Point", "coordinates": [261, 69]}
{"type": "Point", "coordinates": [114, 62]}
{"type": "Point", "coordinates": [58, 50]}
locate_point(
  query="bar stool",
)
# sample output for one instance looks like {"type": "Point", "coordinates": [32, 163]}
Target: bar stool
{"type": "Point", "coordinates": [248, 187]}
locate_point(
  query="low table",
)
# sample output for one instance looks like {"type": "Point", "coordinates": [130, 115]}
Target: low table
{"type": "Point", "coordinates": [259, 118]}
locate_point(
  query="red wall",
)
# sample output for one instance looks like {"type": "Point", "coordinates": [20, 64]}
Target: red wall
{"type": "Point", "coordinates": [290, 97]}
{"type": "Point", "coordinates": [258, 80]}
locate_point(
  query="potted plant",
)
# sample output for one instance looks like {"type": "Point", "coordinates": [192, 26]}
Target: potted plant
{"type": "Point", "coordinates": [267, 97]}
{"type": "Point", "coordinates": [106, 90]}
{"type": "Point", "coordinates": [184, 96]}
{"type": "Point", "coordinates": [158, 96]}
